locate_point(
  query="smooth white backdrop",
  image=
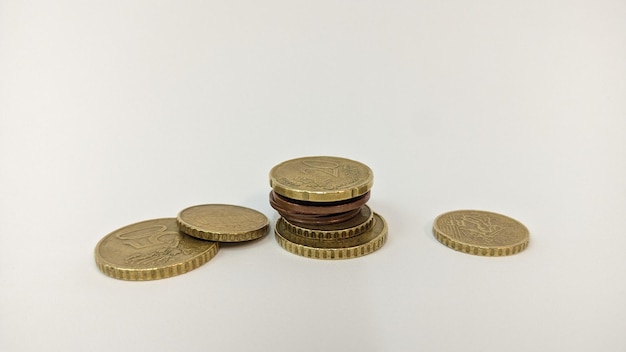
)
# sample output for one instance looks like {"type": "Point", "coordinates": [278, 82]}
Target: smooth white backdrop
{"type": "Point", "coordinates": [114, 112]}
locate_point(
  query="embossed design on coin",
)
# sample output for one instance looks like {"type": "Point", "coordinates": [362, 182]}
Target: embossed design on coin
{"type": "Point", "coordinates": [345, 248]}
{"type": "Point", "coordinates": [321, 179]}
{"type": "Point", "coordinates": [223, 222]}
{"type": "Point", "coordinates": [481, 233]}
{"type": "Point", "coordinates": [149, 250]}
{"type": "Point", "coordinates": [327, 167]}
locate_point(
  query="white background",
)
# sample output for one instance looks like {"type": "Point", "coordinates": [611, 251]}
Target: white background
{"type": "Point", "coordinates": [114, 112]}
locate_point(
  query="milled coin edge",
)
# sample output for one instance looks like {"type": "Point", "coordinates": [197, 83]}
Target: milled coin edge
{"type": "Point", "coordinates": [321, 196]}
{"type": "Point", "coordinates": [198, 232]}
{"type": "Point", "coordinates": [483, 251]}
{"type": "Point", "coordinates": [147, 274]}
{"type": "Point", "coordinates": [336, 253]}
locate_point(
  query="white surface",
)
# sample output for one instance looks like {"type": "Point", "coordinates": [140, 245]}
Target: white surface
{"type": "Point", "coordinates": [114, 112]}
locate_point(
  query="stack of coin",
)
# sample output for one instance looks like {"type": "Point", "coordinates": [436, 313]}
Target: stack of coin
{"type": "Point", "coordinates": [162, 248]}
{"type": "Point", "coordinates": [322, 203]}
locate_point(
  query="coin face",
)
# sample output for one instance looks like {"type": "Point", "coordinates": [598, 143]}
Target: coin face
{"type": "Point", "coordinates": [344, 248]}
{"type": "Point", "coordinates": [150, 250]}
{"type": "Point", "coordinates": [321, 179]}
{"type": "Point", "coordinates": [481, 233]}
{"type": "Point", "coordinates": [223, 223]}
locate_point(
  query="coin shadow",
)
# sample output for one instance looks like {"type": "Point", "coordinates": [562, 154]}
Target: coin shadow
{"type": "Point", "coordinates": [427, 230]}
{"type": "Point", "coordinates": [243, 244]}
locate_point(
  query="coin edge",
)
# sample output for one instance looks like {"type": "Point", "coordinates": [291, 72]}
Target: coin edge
{"type": "Point", "coordinates": [147, 274]}
{"type": "Point", "coordinates": [230, 237]}
{"type": "Point", "coordinates": [483, 251]}
{"type": "Point", "coordinates": [312, 196]}
{"type": "Point", "coordinates": [335, 253]}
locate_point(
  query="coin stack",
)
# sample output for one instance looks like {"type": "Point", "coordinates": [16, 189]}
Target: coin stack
{"type": "Point", "coordinates": [162, 248]}
{"type": "Point", "coordinates": [322, 203]}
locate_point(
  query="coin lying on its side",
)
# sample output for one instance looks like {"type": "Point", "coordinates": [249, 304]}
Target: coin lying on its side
{"type": "Point", "coordinates": [481, 233]}
{"type": "Point", "coordinates": [223, 223]}
{"type": "Point", "coordinates": [150, 250]}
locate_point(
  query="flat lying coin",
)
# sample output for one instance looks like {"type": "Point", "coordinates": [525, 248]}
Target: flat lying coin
{"type": "Point", "coordinates": [150, 250]}
{"type": "Point", "coordinates": [223, 223]}
{"type": "Point", "coordinates": [344, 248]}
{"type": "Point", "coordinates": [353, 227]}
{"type": "Point", "coordinates": [481, 233]}
{"type": "Point", "coordinates": [321, 179]}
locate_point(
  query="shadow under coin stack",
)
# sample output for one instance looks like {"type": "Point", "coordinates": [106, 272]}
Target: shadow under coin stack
{"type": "Point", "coordinates": [322, 203]}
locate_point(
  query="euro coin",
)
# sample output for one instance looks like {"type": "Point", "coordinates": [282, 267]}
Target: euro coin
{"type": "Point", "coordinates": [481, 233]}
{"type": "Point", "coordinates": [223, 223]}
{"type": "Point", "coordinates": [344, 248]}
{"type": "Point", "coordinates": [350, 228]}
{"type": "Point", "coordinates": [321, 179]}
{"type": "Point", "coordinates": [150, 250]}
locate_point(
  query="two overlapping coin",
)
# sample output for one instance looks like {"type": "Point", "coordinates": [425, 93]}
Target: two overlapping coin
{"type": "Point", "coordinates": [162, 248]}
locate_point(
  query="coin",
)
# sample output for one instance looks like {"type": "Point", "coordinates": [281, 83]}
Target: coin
{"type": "Point", "coordinates": [223, 222]}
{"type": "Point", "coordinates": [352, 227]}
{"type": "Point", "coordinates": [287, 205]}
{"type": "Point", "coordinates": [481, 233]}
{"type": "Point", "coordinates": [321, 179]}
{"type": "Point", "coordinates": [150, 250]}
{"type": "Point", "coordinates": [345, 248]}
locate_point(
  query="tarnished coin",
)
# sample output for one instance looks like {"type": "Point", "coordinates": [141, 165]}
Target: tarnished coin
{"type": "Point", "coordinates": [481, 233]}
{"type": "Point", "coordinates": [344, 248]}
{"type": "Point", "coordinates": [321, 179]}
{"type": "Point", "coordinates": [223, 223]}
{"type": "Point", "coordinates": [150, 250]}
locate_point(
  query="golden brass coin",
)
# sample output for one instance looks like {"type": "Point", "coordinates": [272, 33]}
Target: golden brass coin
{"type": "Point", "coordinates": [321, 179]}
{"type": "Point", "coordinates": [353, 227]}
{"type": "Point", "coordinates": [223, 223]}
{"type": "Point", "coordinates": [346, 248]}
{"type": "Point", "coordinates": [150, 250]}
{"type": "Point", "coordinates": [481, 233]}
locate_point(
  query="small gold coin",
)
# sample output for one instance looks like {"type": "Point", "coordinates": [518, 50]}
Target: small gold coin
{"type": "Point", "coordinates": [321, 179]}
{"type": "Point", "coordinates": [150, 250]}
{"type": "Point", "coordinates": [353, 227]}
{"type": "Point", "coordinates": [346, 248]}
{"type": "Point", "coordinates": [481, 233]}
{"type": "Point", "coordinates": [223, 223]}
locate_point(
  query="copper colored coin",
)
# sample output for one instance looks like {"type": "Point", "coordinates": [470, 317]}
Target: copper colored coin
{"type": "Point", "coordinates": [285, 204]}
{"type": "Point", "coordinates": [319, 220]}
{"type": "Point", "coordinates": [317, 213]}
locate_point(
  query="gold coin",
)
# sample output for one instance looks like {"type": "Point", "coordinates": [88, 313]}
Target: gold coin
{"type": "Point", "coordinates": [353, 227]}
{"type": "Point", "coordinates": [481, 233]}
{"type": "Point", "coordinates": [150, 250]}
{"type": "Point", "coordinates": [321, 179]}
{"type": "Point", "coordinates": [223, 223]}
{"type": "Point", "coordinates": [346, 248]}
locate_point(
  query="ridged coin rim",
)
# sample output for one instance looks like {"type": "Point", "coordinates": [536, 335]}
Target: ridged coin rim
{"type": "Point", "coordinates": [475, 249]}
{"type": "Point", "coordinates": [349, 248]}
{"type": "Point", "coordinates": [227, 236]}
{"type": "Point", "coordinates": [279, 185]}
{"type": "Point", "coordinates": [120, 272]}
